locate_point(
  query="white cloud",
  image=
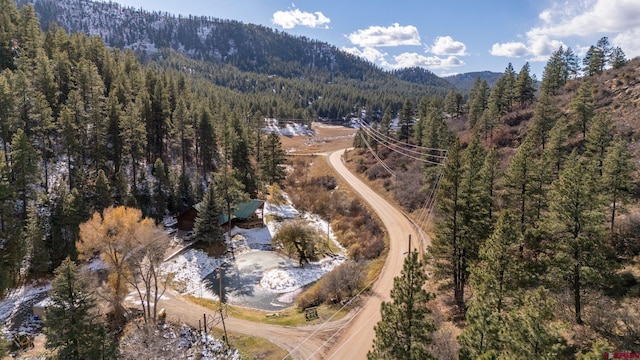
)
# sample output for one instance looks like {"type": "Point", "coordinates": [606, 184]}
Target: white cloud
{"type": "Point", "coordinates": [629, 42]}
{"type": "Point", "coordinates": [536, 49]}
{"type": "Point", "coordinates": [509, 49]}
{"type": "Point", "coordinates": [406, 59]}
{"type": "Point", "coordinates": [445, 45]}
{"type": "Point", "coordinates": [376, 36]}
{"type": "Point", "coordinates": [292, 18]}
{"type": "Point", "coordinates": [588, 19]}
{"type": "Point", "coordinates": [371, 54]}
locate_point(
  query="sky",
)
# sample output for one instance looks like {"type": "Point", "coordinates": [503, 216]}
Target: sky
{"type": "Point", "coordinates": [447, 37]}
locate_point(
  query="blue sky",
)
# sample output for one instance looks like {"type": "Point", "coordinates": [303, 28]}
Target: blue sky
{"type": "Point", "coordinates": [446, 37]}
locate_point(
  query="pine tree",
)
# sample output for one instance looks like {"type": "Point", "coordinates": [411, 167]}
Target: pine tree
{"type": "Point", "coordinates": [599, 139]}
{"type": "Point", "coordinates": [385, 123]}
{"type": "Point", "coordinates": [9, 16]}
{"type": "Point", "coordinates": [102, 193]}
{"type": "Point", "coordinates": [404, 332]}
{"type": "Point", "coordinates": [241, 159]}
{"type": "Point", "coordinates": [582, 106]}
{"type": "Point", "coordinates": [453, 104]}
{"type": "Point", "coordinates": [71, 325]}
{"type": "Point", "coordinates": [529, 333]}
{"type": "Point", "coordinates": [35, 238]}
{"type": "Point", "coordinates": [7, 102]}
{"type": "Point", "coordinates": [207, 225]}
{"type": "Point", "coordinates": [617, 59]}
{"type": "Point", "coordinates": [524, 89]}
{"type": "Point", "coordinates": [24, 168]}
{"type": "Point", "coordinates": [616, 178]}
{"type": "Point", "coordinates": [160, 191]}
{"type": "Point", "coordinates": [519, 184]}
{"type": "Point", "coordinates": [480, 338]}
{"type": "Point", "coordinates": [494, 281]}
{"type": "Point", "coordinates": [406, 117]}
{"type": "Point", "coordinates": [206, 144]}
{"type": "Point", "coordinates": [133, 133]}
{"type": "Point", "coordinates": [273, 158]}
{"type": "Point", "coordinates": [576, 223]}
{"type": "Point", "coordinates": [555, 73]}
{"type": "Point", "coordinates": [545, 116]}
{"type": "Point", "coordinates": [447, 249]}
{"type": "Point", "coordinates": [478, 99]}
{"type": "Point", "coordinates": [594, 61]}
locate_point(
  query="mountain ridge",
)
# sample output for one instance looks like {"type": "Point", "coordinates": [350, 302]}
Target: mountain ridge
{"type": "Point", "coordinates": [249, 47]}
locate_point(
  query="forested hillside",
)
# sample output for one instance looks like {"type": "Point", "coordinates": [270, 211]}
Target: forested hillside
{"type": "Point", "coordinates": [535, 250]}
{"type": "Point", "coordinates": [312, 78]}
{"type": "Point", "coordinates": [84, 127]}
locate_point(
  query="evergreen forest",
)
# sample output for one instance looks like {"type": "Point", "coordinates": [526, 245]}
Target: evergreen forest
{"type": "Point", "coordinates": [533, 212]}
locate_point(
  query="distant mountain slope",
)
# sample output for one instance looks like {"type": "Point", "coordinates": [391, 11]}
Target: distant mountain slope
{"type": "Point", "coordinates": [464, 82]}
{"type": "Point", "coordinates": [248, 47]}
{"type": "Point", "coordinates": [421, 76]}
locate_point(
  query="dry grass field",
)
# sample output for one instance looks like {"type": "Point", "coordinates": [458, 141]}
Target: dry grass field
{"type": "Point", "coordinates": [327, 138]}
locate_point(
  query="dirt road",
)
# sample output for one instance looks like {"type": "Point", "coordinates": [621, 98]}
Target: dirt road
{"type": "Point", "coordinates": [357, 338]}
{"type": "Point", "coordinates": [302, 342]}
{"type": "Point", "coordinates": [348, 338]}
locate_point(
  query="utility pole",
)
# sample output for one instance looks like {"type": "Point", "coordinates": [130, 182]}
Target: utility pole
{"type": "Point", "coordinates": [409, 252]}
{"type": "Point", "coordinates": [224, 327]}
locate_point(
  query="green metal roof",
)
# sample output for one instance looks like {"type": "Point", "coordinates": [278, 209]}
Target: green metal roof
{"type": "Point", "coordinates": [241, 211]}
{"type": "Point", "coordinates": [245, 210]}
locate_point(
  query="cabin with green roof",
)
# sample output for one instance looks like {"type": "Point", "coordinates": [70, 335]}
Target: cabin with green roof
{"type": "Point", "coordinates": [247, 215]}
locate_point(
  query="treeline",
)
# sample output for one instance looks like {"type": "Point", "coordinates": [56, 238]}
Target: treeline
{"type": "Point", "coordinates": [84, 127]}
{"type": "Point", "coordinates": [534, 244]}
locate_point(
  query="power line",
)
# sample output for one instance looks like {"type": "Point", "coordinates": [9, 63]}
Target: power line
{"type": "Point", "coordinates": [400, 151]}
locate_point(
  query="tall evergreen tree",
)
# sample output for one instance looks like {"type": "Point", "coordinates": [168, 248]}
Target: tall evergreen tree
{"type": "Point", "coordinates": [160, 191]}
{"type": "Point", "coordinates": [617, 180]}
{"type": "Point", "coordinates": [494, 280]}
{"type": "Point", "coordinates": [35, 240]}
{"type": "Point", "coordinates": [406, 118]}
{"type": "Point", "coordinates": [478, 101]}
{"type": "Point", "coordinates": [529, 333]}
{"type": "Point", "coordinates": [617, 59]}
{"type": "Point", "coordinates": [24, 169]}
{"type": "Point", "coordinates": [71, 326]}
{"type": "Point", "coordinates": [524, 86]}
{"type": "Point", "coordinates": [545, 115]}
{"type": "Point", "coordinates": [207, 226]}
{"type": "Point", "coordinates": [404, 332]}
{"type": "Point", "coordinates": [447, 248]}
{"type": "Point", "coordinates": [273, 157]}
{"type": "Point", "coordinates": [102, 192]}
{"type": "Point", "coordinates": [576, 223]}
{"type": "Point", "coordinates": [582, 106]}
{"type": "Point", "coordinates": [555, 73]}
{"type": "Point", "coordinates": [599, 138]}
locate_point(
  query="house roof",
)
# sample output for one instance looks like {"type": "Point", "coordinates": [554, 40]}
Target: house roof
{"type": "Point", "coordinates": [241, 211]}
{"type": "Point", "coordinates": [246, 209]}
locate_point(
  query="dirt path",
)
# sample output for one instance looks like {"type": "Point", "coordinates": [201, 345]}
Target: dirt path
{"type": "Point", "coordinates": [347, 338]}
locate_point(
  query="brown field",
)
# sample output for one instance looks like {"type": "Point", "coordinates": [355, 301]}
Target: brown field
{"type": "Point", "coordinates": [327, 138]}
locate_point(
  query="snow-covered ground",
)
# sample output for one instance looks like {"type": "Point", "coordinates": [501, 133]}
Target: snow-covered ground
{"type": "Point", "coordinates": [287, 129]}
{"type": "Point", "coordinates": [190, 268]}
{"type": "Point", "coordinates": [19, 302]}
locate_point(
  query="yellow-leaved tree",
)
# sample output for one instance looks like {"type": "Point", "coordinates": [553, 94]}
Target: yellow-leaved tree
{"type": "Point", "coordinates": [132, 248]}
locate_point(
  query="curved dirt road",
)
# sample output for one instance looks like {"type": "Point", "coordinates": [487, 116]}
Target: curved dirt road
{"type": "Point", "coordinates": [347, 338]}
{"type": "Point", "coordinates": [357, 338]}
